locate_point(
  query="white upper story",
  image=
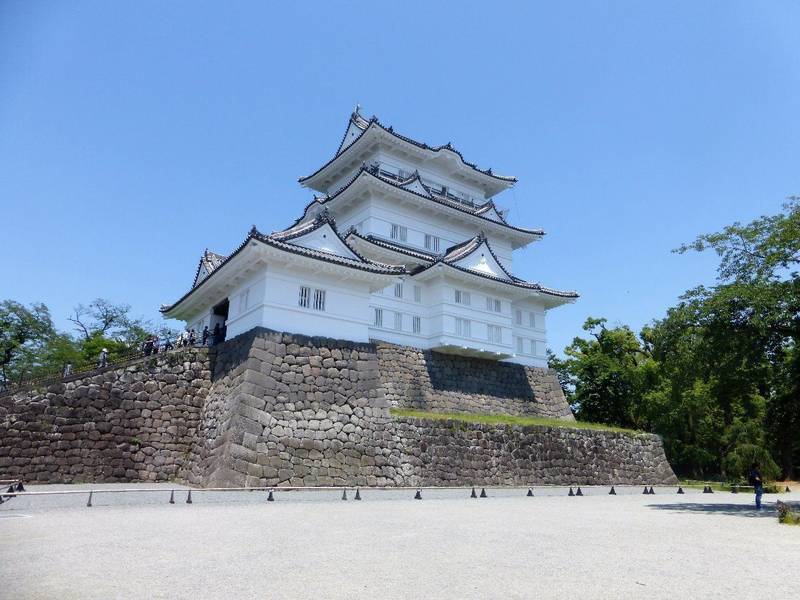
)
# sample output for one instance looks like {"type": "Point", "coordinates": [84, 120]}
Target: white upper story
{"type": "Point", "coordinates": [432, 252]}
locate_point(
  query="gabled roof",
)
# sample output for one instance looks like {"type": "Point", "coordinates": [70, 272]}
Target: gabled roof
{"type": "Point", "coordinates": [393, 246]}
{"type": "Point", "coordinates": [357, 126]}
{"type": "Point", "coordinates": [456, 254]}
{"type": "Point", "coordinates": [481, 212]}
{"type": "Point", "coordinates": [283, 240]}
{"type": "Point", "coordinates": [460, 252]}
{"type": "Point", "coordinates": [208, 262]}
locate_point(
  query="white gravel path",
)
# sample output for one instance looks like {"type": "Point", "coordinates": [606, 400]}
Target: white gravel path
{"type": "Point", "coordinates": [313, 545]}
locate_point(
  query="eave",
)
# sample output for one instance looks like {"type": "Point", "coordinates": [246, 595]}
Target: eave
{"type": "Point", "coordinates": [375, 136]}
{"type": "Point", "coordinates": [364, 180]}
{"type": "Point", "coordinates": [515, 288]}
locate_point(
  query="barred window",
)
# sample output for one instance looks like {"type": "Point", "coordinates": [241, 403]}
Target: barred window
{"type": "Point", "coordinates": [399, 232]}
{"type": "Point", "coordinates": [398, 321]}
{"type": "Point", "coordinates": [494, 334]}
{"type": "Point", "coordinates": [417, 294]}
{"type": "Point", "coordinates": [416, 324]}
{"type": "Point", "coordinates": [463, 327]}
{"type": "Point", "coordinates": [462, 297]}
{"type": "Point", "coordinates": [518, 317]}
{"type": "Point", "coordinates": [319, 299]}
{"type": "Point", "coordinates": [398, 290]}
{"type": "Point", "coordinates": [432, 242]}
{"type": "Point", "coordinates": [519, 345]}
{"type": "Point", "coordinates": [378, 322]}
{"type": "Point", "coordinates": [305, 295]}
{"type": "Point", "coordinates": [494, 304]}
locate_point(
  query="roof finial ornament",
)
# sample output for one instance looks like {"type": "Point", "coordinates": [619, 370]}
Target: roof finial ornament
{"type": "Point", "coordinates": [253, 230]}
{"type": "Point", "coordinates": [357, 110]}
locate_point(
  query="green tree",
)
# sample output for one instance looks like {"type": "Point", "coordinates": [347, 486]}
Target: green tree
{"type": "Point", "coordinates": [24, 332]}
{"type": "Point", "coordinates": [604, 375]}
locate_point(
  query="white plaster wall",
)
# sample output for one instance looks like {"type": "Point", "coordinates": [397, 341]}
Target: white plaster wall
{"type": "Point", "coordinates": [377, 216]}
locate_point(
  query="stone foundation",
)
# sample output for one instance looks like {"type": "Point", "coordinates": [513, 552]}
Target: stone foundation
{"type": "Point", "coordinates": [432, 381]}
{"type": "Point", "coordinates": [134, 423]}
{"type": "Point", "coordinates": [269, 409]}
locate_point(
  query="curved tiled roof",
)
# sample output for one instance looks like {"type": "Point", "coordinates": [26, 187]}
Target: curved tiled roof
{"type": "Point", "coordinates": [281, 241]}
{"type": "Point", "coordinates": [394, 246]}
{"type": "Point", "coordinates": [209, 261]}
{"type": "Point", "coordinates": [364, 124]}
{"type": "Point", "coordinates": [514, 281]}
{"type": "Point", "coordinates": [476, 212]}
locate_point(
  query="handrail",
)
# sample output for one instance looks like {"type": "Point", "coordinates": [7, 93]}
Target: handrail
{"type": "Point", "coordinates": [82, 370]}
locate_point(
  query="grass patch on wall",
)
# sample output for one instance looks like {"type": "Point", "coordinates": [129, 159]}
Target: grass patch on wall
{"type": "Point", "coordinates": [492, 419]}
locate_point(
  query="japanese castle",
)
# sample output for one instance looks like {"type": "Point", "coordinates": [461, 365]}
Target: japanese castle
{"type": "Point", "coordinates": [403, 244]}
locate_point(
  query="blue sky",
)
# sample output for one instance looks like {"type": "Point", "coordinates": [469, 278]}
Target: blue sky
{"type": "Point", "coordinates": [133, 135]}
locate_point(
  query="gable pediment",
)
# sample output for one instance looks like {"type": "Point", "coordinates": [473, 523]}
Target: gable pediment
{"type": "Point", "coordinates": [482, 260]}
{"type": "Point", "coordinates": [415, 185]}
{"type": "Point", "coordinates": [325, 239]}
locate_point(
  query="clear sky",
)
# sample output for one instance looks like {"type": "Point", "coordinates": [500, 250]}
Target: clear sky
{"type": "Point", "coordinates": [135, 134]}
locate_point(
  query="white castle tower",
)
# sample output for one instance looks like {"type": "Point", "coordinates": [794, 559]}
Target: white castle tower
{"type": "Point", "coordinates": [403, 245]}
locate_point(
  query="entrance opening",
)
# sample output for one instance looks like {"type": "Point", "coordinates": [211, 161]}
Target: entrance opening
{"type": "Point", "coordinates": [219, 314]}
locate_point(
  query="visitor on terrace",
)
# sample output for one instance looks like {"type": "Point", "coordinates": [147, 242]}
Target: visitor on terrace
{"type": "Point", "coordinates": [102, 361]}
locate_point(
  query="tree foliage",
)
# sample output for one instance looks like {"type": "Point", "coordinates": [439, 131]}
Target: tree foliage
{"type": "Point", "coordinates": [31, 346]}
{"type": "Point", "coordinates": [719, 376]}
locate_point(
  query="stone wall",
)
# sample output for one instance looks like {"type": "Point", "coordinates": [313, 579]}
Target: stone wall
{"type": "Point", "coordinates": [458, 453]}
{"type": "Point", "coordinates": [432, 381]}
{"type": "Point", "coordinates": [269, 409]}
{"type": "Point", "coordinates": [133, 423]}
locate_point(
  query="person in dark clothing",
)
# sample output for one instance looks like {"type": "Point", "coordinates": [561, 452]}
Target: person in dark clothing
{"type": "Point", "coordinates": [217, 335]}
{"type": "Point", "coordinates": [148, 346]}
{"type": "Point", "coordinates": [755, 479]}
{"type": "Point", "coordinates": [192, 337]}
{"type": "Point", "coordinates": [205, 335]}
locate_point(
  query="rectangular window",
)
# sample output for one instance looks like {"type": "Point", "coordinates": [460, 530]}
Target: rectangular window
{"type": "Point", "coordinates": [518, 317]}
{"type": "Point", "coordinates": [494, 304]}
{"type": "Point", "coordinates": [519, 345]}
{"type": "Point", "coordinates": [378, 322]}
{"type": "Point", "coordinates": [462, 297]}
{"type": "Point", "coordinates": [416, 324]}
{"type": "Point", "coordinates": [305, 295]}
{"type": "Point", "coordinates": [533, 346]}
{"type": "Point", "coordinates": [417, 294]}
{"type": "Point", "coordinates": [463, 327]}
{"type": "Point", "coordinates": [399, 232]}
{"type": "Point", "coordinates": [432, 242]}
{"type": "Point", "coordinates": [243, 301]}
{"type": "Point", "coordinates": [398, 290]}
{"type": "Point", "coordinates": [532, 320]}
{"type": "Point", "coordinates": [398, 321]}
{"type": "Point", "coordinates": [494, 334]}
{"type": "Point", "coordinates": [319, 299]}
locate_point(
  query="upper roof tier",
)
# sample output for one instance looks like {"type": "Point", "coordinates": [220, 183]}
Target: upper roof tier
{"type": "Point", "coordinates": [363, 137]}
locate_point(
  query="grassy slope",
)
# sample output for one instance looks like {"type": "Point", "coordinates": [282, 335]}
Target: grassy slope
{"type": "Point", "coordinates": [504, 420]}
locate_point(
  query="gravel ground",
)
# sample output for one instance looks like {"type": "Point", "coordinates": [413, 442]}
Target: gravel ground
{"type": "Point", "coordinates": [313, 545]}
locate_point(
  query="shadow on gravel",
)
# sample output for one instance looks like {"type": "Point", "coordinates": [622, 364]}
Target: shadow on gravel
{"type": "Point", "coordinates": [738, 510]}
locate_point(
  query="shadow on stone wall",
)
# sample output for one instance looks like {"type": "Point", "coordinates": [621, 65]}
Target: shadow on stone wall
{"type": "Point", "coordinates": [469, 375]}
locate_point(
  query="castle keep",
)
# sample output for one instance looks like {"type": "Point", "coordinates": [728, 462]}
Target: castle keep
{"type": "Point", "coordinates": [404, 244]}
{"type": "Point", "coordinates": [395, 286]}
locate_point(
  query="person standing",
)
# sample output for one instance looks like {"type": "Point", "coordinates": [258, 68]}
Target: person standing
{"type": "Point", "coordinates": [756, 480]}
{"type": "Point", "coordinates": [148, 346]}
{"type": "Point", "coordinates": [156, 344]}
{"type": "Point", "coordinates": [192, 337]}
{"type": "Point", "coordinates": [216, 335]}
{"type": "Point", "coordinates": [205, 335]}
{"type": "Point", "coordinates": [102, 361]}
